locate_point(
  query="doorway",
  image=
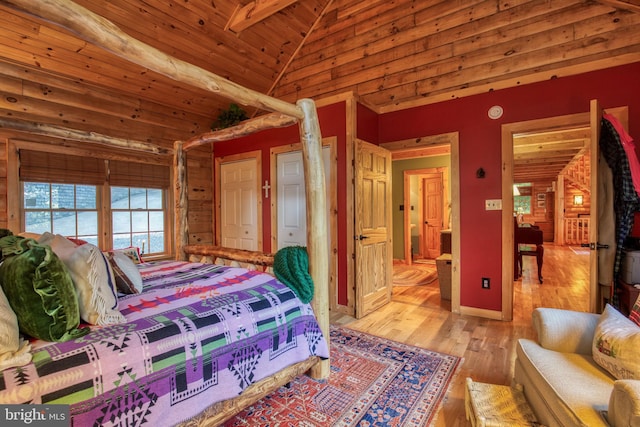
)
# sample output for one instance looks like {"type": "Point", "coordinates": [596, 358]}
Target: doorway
{"type": "Point", "coordinates": [424, 147]}
{"type": "Point", "coordinates": [427, 211]}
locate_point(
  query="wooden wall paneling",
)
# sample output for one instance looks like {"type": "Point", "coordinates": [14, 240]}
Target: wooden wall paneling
{"type": "Point", "coordinates": [30, 109]}
{"type": "Point", "coordinates": [398, 29]}
{"type": "Point", "coordinates": [3, 183]}
{"type": "Point", "coordinates": [200, 232]}
{"type": "Point", "coordinates": [200, 195]}
{"type": "Point", "coordinates": [532, 28]}
{"type": "Point", "coordinates": [117, 73]}
{"type": "Point", "coordinates": [164, 25]}
{"type": "Point", "coordinates": [93, 102]}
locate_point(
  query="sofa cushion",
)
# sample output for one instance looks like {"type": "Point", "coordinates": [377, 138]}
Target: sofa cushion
{"type": "Point", "coordinates": [565, 330]}
{"type": "Point", "coordinates": [616, 343]}
{"type": "Point", "coordinates": [563, 388]}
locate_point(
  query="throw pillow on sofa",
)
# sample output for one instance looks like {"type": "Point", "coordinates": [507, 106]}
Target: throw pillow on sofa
{"type": "Point", "coordinates": [40, 290]}
{"type": "Point", "coordinates": [616, 343]}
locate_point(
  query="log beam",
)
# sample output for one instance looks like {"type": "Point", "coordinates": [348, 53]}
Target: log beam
{"type": "Point", "coordinates": [82, 136]}
{"type": "Point", "coordinates": [620, 4]}
{"type": "Point", "coordinates": [247, 127]}
{"type": "Point", "coordinates": [239, 255]}
{"type": "Point", "coordinates": [105, 34]}
{"type": "Point", "coordinates": [252, 13]}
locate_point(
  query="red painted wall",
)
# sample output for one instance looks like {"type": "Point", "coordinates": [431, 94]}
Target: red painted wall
{"type": "Point", "coordinates": [480, 146]}
{"type": "Point", "coordinates": [367, 126]}
{"type": "Point", "coordinates": [332, 123]}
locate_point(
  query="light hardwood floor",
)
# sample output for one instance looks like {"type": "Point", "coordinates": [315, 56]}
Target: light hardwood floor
{"type": "Point", "coordinates": [418, 316]}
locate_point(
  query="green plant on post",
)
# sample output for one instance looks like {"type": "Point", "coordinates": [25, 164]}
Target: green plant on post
{"type": "Point", "coordinates": [230, 117]}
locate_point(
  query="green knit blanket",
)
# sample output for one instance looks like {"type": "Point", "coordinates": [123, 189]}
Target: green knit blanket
{"type": "Point", "coordinates": [291, 267]}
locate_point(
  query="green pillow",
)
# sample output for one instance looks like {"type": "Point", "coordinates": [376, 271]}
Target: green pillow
{"type": "Point", "coordinates": [40, 290]}
{"type": "Point", "coordinates": [291, 267]}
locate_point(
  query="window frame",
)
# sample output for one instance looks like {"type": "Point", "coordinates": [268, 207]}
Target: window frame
{"type": "Point", "coordinates": [98, 209]}
{"type": "Point", "coordinates": [15, 211]}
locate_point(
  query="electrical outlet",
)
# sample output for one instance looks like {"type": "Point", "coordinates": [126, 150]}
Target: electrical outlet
{"type": "Point", "coordinates": [486, 283]}
{"type": "Point", "coordinates": [493, 205]}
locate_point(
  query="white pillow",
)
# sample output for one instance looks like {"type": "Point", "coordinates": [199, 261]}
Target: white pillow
{"type": "Point", "coordinates": [92, 277]}
{"type": "Point", "coordinates": [127, 276]}
{"type": "Point", "coordinates": [616, 343]}
{"type": "Point", "coordinates": [13, 350]}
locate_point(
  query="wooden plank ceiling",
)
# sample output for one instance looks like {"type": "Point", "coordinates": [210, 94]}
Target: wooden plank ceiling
{"type": "Point", "coordinates": [391, 54]}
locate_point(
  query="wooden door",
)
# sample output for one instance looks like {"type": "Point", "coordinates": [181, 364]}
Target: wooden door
{"type": "Point", "coordinates": [602, 235]}
{"type": "Point", "coordinates": [239, 192]}
{"type": "Point", "coordinates": [291, 205]}
{"type": "Point", "coordinates": [432, 215]}
{"type": "Point", "coordinates": [373, 227]}
{"type": "Point", "coordinates": [595, 117]}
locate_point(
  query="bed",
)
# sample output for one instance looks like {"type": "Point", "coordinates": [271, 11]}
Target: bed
{"type": "Point", "coordinates": [315, 332]}
{"type": "Point", "coordinates": [197, 334]}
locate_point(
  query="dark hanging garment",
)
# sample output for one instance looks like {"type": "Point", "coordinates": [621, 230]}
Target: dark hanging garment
{"type": "Point", "coordinates": [626, 199]}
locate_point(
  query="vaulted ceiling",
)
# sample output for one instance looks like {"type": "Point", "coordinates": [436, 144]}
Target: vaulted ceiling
{"type": "Point", "coordinates": [391, 54]}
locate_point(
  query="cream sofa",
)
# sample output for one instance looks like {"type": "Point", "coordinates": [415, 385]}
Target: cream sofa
{"type": "Point", "coordinates": [563, 383]}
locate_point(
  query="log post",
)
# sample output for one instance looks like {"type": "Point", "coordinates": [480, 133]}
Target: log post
{"type": "Point", "coordinates": [181, 200]}
{"type": "Point", "coordinates": [317, 245]}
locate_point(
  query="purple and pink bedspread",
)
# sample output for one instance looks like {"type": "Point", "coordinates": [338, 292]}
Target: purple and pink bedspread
{"type": "Point", "coordinates": [196, 335]}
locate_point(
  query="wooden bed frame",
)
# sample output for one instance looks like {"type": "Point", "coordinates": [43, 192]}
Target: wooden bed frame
{"type": "Point", "coordinates": [103, 33]}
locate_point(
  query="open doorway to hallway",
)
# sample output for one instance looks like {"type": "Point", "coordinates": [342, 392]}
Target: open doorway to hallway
{"type": "Point", "coordinates": [428, 152]}
{"type": "Point", "coordinates": [427, 194]}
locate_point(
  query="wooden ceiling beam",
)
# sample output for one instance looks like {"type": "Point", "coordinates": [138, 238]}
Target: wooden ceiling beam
{"type": "Point", "coordinates": [82, 136]}
{"type": "Point", "coordinates": [246, 16]}
{"type": "Point", "coordinates": [622, 4]}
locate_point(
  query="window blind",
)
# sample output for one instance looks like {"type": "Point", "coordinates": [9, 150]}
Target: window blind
{"type": "Point", "coordinates": [144, 175]}
{"type": "Point", "coordinates": [39, 166]}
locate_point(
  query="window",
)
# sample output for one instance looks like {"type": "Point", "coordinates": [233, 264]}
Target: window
{"type": "Point", "coordinates": [138, 218]}
{"type": "Point", "coordinates": [522, 201]}
{"type": "Point", "coordinates": [67, 209]}
{"type": "Point", "coordinates": [110, 203]}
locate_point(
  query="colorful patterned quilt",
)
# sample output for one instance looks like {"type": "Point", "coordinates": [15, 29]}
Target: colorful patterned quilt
{"type": "Point", "coordinates": [197, 334]}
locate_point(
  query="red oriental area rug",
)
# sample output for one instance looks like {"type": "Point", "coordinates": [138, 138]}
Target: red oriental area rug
{"type": "Point", "coordinates": [373, 382]}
